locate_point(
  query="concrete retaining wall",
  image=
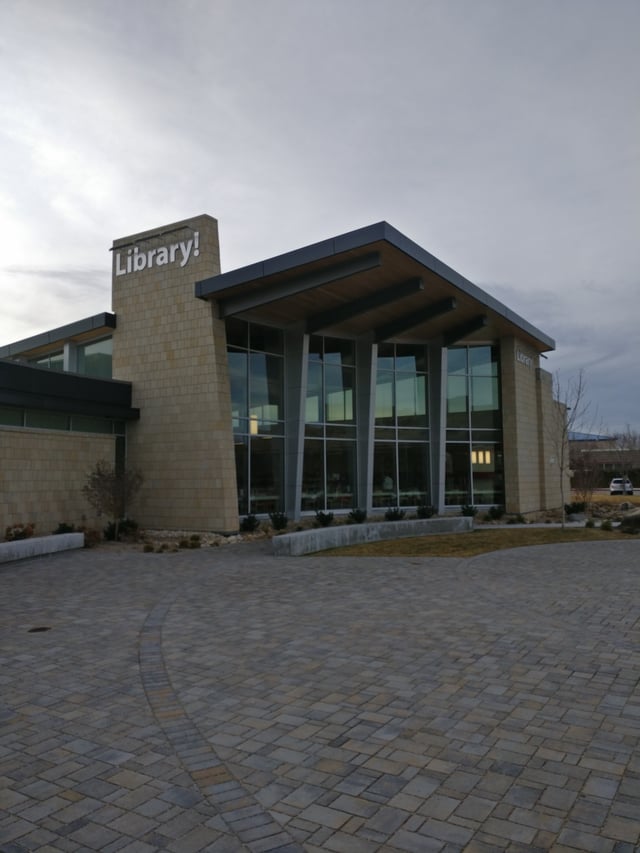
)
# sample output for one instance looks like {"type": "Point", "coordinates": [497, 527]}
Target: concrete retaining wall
{"type": "Point", "coordinates": [321, 538]}
{"type": "Point", "coordinates": [38, 545]}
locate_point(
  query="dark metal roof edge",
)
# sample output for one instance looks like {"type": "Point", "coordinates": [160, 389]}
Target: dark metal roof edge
{"type": "Point", "coordinates": [409, 247]}
{"type": "Point", "coordinates": [36, 387]}
{"type": "Point", "coordinates": [280, 263]}
{"type": "Point", "coordinates": [67, 376]}
{"type": "Point", "coordinates": [357, 239]}
{"type": "Point", "coordinates": [78, 327]}
{"type": "Point", "coordinates": [70, 405]}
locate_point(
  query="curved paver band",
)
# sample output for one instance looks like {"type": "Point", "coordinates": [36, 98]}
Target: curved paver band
{"type": "Point", "coordinates": [244, 817]}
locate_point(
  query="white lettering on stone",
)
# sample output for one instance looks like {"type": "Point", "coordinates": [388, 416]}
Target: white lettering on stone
{"type": "Point", "coordinates": [525, 359]}
{"type": "Point", "coordinates": [137, 260]}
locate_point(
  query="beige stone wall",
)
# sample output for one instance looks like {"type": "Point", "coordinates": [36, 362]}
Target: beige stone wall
{"type": "Point", "coordinates": [521, 426]}
{"type": "Point", "coordinates": [532, 480]}
{"type": "Point", "coordinates": [42, 473]}
{"type": "Point", "coordinates": [172, 347]}
{"type": "Point", "coordinates": [550, 448]}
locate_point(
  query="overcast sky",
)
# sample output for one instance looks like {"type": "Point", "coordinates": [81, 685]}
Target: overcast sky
{"type": "Point", "coordinates": [503, 136]}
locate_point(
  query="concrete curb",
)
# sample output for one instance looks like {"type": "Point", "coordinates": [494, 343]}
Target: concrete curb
{"type": "Point", "coordinates": [321, 538]}
{"type": "Point", "coordinates": [36, 546]}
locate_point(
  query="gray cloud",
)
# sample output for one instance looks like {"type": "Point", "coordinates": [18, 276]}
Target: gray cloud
{"type": "Point", "coordinates": [501, 136]}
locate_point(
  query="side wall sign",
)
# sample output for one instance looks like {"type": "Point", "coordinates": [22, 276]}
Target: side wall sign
{"type": "Point", "coordinates": [137, 260]}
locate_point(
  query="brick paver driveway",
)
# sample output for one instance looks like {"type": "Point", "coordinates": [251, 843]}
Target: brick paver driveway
{"type": "Point", "coordinates": [224, 700]}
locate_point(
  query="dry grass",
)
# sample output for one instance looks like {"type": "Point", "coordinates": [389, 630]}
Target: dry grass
{"type": "Point", "coordinates": [613, 500]}
{"type": "Point", "coordinates": [475, 542]}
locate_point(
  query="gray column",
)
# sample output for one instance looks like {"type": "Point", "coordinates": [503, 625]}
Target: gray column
{"type": "Point", "coordinates": [437, 422]}
{"type": "Point", "coordinates": [366, 360]}
{"type": "Point", "coordinates": [70, 357]}
{"type": "Point", "coordinates": [295, 380]}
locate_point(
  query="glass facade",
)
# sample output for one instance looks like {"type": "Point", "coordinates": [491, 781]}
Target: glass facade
{"type": "Point", "coordinates": [47, 419]}
{"type": "Point", "coordinates": [329, 466]}
{"type": "Point", "coordinates": [256, 376]}
{"type": "Point", "coordinates": [401, 449]}
{"type": "Point", "coordinates": [52, 361]}
{"type": "Point", "coordinates": [474, 470]}
{"type": "Point", "coordinates": [94, 358]}
{"type": "Point", "coordinates": [324, 451]}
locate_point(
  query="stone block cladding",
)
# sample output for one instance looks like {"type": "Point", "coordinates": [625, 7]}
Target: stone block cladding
{"type": "Point", "coordinates": [42, 473]}
{"type": "Point", "coordinates": [553, 416]}
{"type": "Point", "coordinates": [531, 479]}
{"type": "Point", "coordinates": [172, 348]}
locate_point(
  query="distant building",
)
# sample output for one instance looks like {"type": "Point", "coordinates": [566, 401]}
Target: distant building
{"type": "Point", "coordinates": [600, 457]}
{"type": "Point", "coordinates": [360, 371]}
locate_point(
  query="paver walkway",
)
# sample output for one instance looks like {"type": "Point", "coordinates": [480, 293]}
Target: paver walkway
{"type": "Point", "coordinates": [225, 700]}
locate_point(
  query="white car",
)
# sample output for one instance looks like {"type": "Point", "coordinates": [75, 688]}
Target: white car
{"type": "Point", "coordinates": [620, 486]}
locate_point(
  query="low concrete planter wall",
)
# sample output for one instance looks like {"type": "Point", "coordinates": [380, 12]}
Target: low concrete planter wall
{"type": "Point", "coordinates": [38, 545]}
{"type": "Point", "coordinates": [321, 538]}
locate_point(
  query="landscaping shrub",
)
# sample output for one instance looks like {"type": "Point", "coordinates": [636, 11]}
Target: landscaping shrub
{"type": "Point", "coordinates": [495, 513]}
{"type": "Point", "coordinates": [63, 527]}
{"type": "Point", "coordinates": [469, 510]}
{"type": "Point", "coordinates": [324, 519]}
{"type": "Point", "coordinates": [357, 516]}
{"type": "Point", "coordinates": [589, 523]}
{"type": "Point", "coordinates": [426, 511]}
{"type": "Point", "coordinates": [606, 524]}
{"type": "Point", "coordinates": [109, 490]}
{"type": "Point", "coordinates": [279, 520]}
{"type": "Point", "coordinates": [631, 524]}
{"type": "Point", "coordinates": [394, 513]}
{"type": "Point", "coordinates": [575, 507]}
{"type": "Point", "coordinates": [127, 528]}
{"type": "Point", "coordinates": [19, 531]}
{"type": "Point", "coordinates": [249, 524]}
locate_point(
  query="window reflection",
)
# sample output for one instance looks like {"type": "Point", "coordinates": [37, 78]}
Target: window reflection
{"type": "Point", "coordinates": [474, 459]}
{"type": "Point", "coordinates": [329, 463]}
{"type": "Point", "coordinates": [256, 379]}
{"type": "Point", "coordinates": [400, 466]}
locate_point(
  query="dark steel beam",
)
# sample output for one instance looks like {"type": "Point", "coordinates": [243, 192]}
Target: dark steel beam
{"type": "Point", "coordinates": [465, 329]}
{"type": "Point", "coordinates": [281, 290]}
{"type": "Point", "coordinates": [341, 313]}
{"type": "Point", "coordinates": [410, 321]}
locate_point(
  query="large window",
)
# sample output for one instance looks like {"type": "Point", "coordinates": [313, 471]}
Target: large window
{"type": "Point", "coordinates": [94, 358]}
{"type": "Point", "coordinates": [48, 419]}
{"type": "Point", "coordinates": [52, 361]}
{"type": "Point", "coordinates": [401, 449]}
{"type": "Point", "coordinates": [474, 458]}
{"type": "Point", "coordinates": [256, 375]}
{"type": "Point", "coordinates": [329, 467]}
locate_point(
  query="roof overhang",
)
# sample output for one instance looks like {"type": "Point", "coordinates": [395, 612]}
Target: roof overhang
{"type": "Point", "coordinates": [86, 329]}
{"type": "Point", "coordinates": [373, 283]}
{"type": "Point", "coordinates": [39, 388]}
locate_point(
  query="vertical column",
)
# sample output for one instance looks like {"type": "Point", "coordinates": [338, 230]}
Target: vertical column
{"type": "Point", "coordinates": [296, 348]}
{"type": "Point", "coordinates": [172, 347]}
{"type": "Point", "coordinates": [366, 361]}
{"type": "Point", "coordinates": [521, 426]}
{"type": "Point", "coordinates": [70, 357]}
{"type": "Point", "coordinates": [437, 422]}
{"type": "Point", "coordinates": [550, 436]}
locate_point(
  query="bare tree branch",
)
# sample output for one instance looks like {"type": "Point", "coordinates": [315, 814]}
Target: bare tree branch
{"type": "Point", "coordinates": [569, 413]}
{"type": "Point", "coordinates": [109, 490]}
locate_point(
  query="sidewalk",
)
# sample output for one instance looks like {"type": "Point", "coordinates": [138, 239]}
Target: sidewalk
{"type": "Point", "coordinates": [226, 700]}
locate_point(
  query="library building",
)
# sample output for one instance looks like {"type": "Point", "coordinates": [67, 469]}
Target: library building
{"type": "Point", "coordinates": [356, 372]}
